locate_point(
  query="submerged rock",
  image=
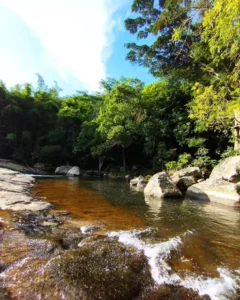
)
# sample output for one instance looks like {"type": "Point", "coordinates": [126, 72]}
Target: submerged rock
{"type": "Point", "coordinates": [172, 292]}
{"type": "Point", "coordinates": [62, 170]}
{"type": "Point", "coordinates": [74, 171]}
{"type": "Point", "coordinates": [219, 191]}
{"type": "Point", "coordinates": [104, 269]}
{"type": "Point", "coordinates": [228, 169]}
{"type": "Point", "coordinates": [161, 186]}
{"type": "Point", "coordinates": [37, 224]}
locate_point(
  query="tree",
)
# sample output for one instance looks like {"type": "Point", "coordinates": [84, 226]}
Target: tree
{"type": "Point", "coordinates": [172, 27]}
{"type": "Point", "coordinates": [217, 103]}
{"type": "Point", "coordinates": [119, 116]}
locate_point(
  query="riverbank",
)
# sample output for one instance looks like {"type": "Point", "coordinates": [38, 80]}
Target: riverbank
{"type": "Point", "coordinates": [15, 192]}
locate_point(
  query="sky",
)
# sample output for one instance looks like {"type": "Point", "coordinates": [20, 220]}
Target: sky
{"type": "Point", "coordinates": [76, 43]}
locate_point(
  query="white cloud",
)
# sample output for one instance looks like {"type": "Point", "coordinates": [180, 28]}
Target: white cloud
{"type": "Point", "coordinates": [76, 35]}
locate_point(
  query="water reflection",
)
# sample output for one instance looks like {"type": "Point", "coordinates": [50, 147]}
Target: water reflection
{"type": "Point", "coordinates": [154, 205]}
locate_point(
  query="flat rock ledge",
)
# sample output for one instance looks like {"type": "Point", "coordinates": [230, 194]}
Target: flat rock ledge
{"type": "Point", "coordinates": [14, 192]}
{"type": "Point", "coordinates": [219, 191]}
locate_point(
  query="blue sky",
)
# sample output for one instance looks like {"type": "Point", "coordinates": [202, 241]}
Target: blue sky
{"type": "Point", "coordinates": [74, 42]}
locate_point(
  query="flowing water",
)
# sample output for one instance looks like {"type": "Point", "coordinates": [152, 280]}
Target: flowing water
{"type": "Point", "coordinates": [188, 243]}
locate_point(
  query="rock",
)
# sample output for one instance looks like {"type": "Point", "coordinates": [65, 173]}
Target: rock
{"type": "Point", "coordinates": [194, 172]}
{"type": "Point", "coordinates": [161, 186]}
{"type": "Point", "coordinates": [185, 182]}
{"type": "Point", "coordinates": [9, 164]}
{"type": "Point", "coordinates": [142, 183]}
{"type": "Point", "coordinates": [14, 187]}
{"type": "Point", "coordinates": [74, 171]}
{"type": "Point", "coordinates": [17, 201]}
{"type": "Point", "coordinates": [134, 181]}
{"type": "Point", "coordinates": [62, 170]}
{"type": "Point", "coordinates": [186, 177]}
{"type": "Point", "coordinates": [101, 270]}
{"type": "Point", "coordinates": [172, 292]}
{"type": "Point", "coordinates": [228, 169]}
{"type": "Point", "coordinates": [219, 191]}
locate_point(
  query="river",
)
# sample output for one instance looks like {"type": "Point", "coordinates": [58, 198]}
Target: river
{"type": "Point", "coordinates": [191, 243]}
{"type": "Point", "coordinates": [186, 243]}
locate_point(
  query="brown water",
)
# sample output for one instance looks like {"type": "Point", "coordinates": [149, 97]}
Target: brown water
{"type": "Point", "coordinates": [216, 228]}
{"type": "Point", "coordinates": [190, 243]}
{"type": "Point", "coordinates": [86, 205]}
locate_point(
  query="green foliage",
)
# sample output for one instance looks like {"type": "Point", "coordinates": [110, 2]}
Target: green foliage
{"type": "Point", "coordinates": [11, 137]}
{"type": "Point", "coordinates": [183, 161]}
{"type": "Point", "coordinates": [203, 160]}
{"type": "Point", "coordinates": [230, 152]}
{"type": "Point", "coordinates": [50, 154]}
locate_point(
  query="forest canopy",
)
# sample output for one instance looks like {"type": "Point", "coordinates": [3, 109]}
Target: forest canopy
{"type": "Point", "coordinates": [185, 117]}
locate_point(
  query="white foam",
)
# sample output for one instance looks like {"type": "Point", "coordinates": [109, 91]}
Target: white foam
{"type": "Point", "coordinates": [157, 255]}
{"type": "Point", "coordinates": [85, 229]}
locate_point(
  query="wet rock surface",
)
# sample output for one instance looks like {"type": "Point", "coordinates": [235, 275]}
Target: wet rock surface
{"type": "Point", "coordinates": [37, 224]}
{"type": "Point", "coordinates": [73, 264]}
{"type": "Point", "coordinates": [171, 292]}
{"type": "Point", "coordinates": [104, 269]}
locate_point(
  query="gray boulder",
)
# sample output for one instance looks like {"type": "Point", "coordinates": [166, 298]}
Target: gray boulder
{"type": "Point", "coordinates": [194, 172]}
{"type": "Point", "coordinates": [185, 182]}
{"type": "Point", "coordinates": [219, 191]}
{"type": "Point", "coordinates": [134, 181]}
{"type": "Point", "coordinates": [228, 169]}
{"type": "Point", "coordinates": [186, 177]}
{"type": "Point", "coordinates": [62, 170]}
{"type": "Point", "coordinates": [161, 186]}
{"type": "Point", "coordinates": [142, 183]}
{"type": "Point", "coordinates": [74, 171]}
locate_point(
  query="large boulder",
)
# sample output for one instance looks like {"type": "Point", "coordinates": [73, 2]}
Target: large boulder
{"type": "Point", "coordinates": [161, 186]}
{"type": "Point", "coordinates": [228, 169]}
{"type": "Point", "coordinates": [219, 191]}
{"type": "Point", "coordinates": [62, 170]}
{"type": "Point", "coordinates": [74, 171]}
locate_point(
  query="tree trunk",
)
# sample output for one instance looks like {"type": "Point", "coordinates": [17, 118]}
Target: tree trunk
{"type": "Point", "coordinates": [100, 164]}
{"type": "Point", "coordinates": [237, 132]}
{"type": "Point", "coordinates": [123, 158]}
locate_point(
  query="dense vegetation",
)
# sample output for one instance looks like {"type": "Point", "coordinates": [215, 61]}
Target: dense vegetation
{"type": "Point", "coordinates": [185, 117]}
